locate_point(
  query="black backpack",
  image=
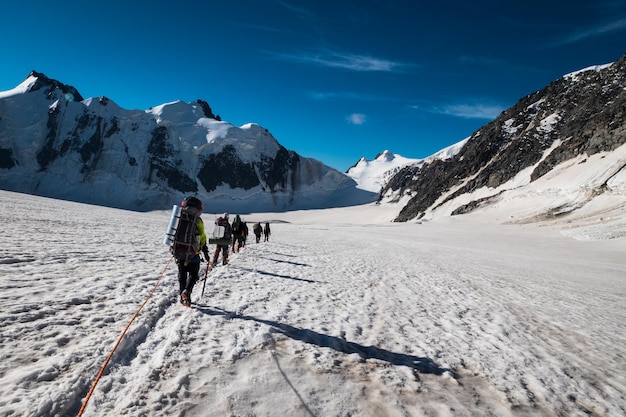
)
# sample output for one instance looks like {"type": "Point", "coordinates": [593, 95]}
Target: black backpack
{"type": "Point", "coordinates": [186, 242]}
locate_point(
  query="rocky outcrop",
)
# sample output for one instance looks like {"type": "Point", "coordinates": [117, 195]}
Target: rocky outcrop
{"type": "Point", "coordinates": [50, 87]}
{"type": "Point", "coordinates": [582, 113]}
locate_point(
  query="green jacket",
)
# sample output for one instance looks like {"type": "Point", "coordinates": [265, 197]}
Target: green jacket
{"type": "Point", "coordinates": [202, 234]}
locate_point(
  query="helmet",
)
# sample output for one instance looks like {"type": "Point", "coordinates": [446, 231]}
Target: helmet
{"type": "Point", "coordinates": [225, 215]}
{"type": "Point", "coordinates": [192, 202]}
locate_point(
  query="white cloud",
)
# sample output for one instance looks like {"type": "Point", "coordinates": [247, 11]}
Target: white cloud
{"type": "Point", "coordinates": [615, 26]}
{"type": "Point", "coordinates": [352, 62]}
{"type": "Point", "coordinates": [471, 111]}
{"type": "Point", "coordinates": [356, 118]}
{"type": "Point", "coordinates": [319, 95]}
{"type": "Point", "coordinates": [302, 12]}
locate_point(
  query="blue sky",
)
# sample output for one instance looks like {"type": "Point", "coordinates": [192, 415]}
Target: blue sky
{"type": "Point", "coordinates": [333, 80]}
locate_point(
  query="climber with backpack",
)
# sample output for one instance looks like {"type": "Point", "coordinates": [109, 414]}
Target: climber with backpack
{"type": "Point", "coordinates": [267, 232]}
{"type": "Point", "coordinates": [238, 231]}
{"type": "Point", "coordinates": [188, 241]}
{"type": "Point", "coordinates": [222, 239]}
{"type": "Point", "coordinates": [257, 229]}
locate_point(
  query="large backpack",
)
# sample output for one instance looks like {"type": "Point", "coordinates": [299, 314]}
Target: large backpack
{"type": "Point", "coordinates": [237, 227]}
{"type": "Point", "coordinates": [186, 242]}
{"type": "Point", "coordinates": [221, 232]}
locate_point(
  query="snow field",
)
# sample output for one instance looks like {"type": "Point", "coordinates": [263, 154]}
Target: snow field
{"type": "Point", "coordinates": [445, 318]}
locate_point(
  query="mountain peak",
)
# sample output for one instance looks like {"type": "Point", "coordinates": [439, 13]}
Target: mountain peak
{"type": "Point", "coordinates": [385, 156]}
{"type": "Point", "coordinates": [41, 81]}
{"type": "Point", "coordinates": [373, 175]}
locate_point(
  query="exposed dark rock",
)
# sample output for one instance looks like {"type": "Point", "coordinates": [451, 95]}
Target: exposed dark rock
{"type": "Point", "coordinates": [160, 146]}
{"type": "Point", "coordinates": [206, 109]}
{"type": "Point", "coordinates": [113, 128]}
{"type": "Point", "coordinates": [585, 114]}
{"type": "Point", "coordinates": [277, 170]}
{"type": "Point", "coordinates": [227, 168]}
{"type": "Point", "coordinates": [48, 153]}
{"type": "Point", "coordinates": [6, 158]}
{"type": "Point", "coordinates": [473, 205]}
{"type": "Point", "coordinates": [90, 151]}
{"type": "Point", "coordinates": [49, 85]}
{"type": "Point", "coordinates": [174, 177]}
{"type": "Point", "coordinates": [162, 165]}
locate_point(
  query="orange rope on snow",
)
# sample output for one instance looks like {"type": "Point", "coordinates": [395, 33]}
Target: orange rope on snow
{"type": "Point", "coordinates": [108, 359]}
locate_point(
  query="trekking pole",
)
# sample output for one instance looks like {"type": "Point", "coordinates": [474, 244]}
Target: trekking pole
{"type": "Point", "coordinates": [206, 274]}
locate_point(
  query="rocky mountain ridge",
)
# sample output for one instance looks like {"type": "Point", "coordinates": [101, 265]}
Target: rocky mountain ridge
{"type": "Point", "coordinates": [576, 117]}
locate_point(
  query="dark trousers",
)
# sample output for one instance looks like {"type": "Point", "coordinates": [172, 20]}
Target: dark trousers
{"type": "Point", "coordinates": [188, 276]}
{"type": "Point", "coordinates": [224, 250]}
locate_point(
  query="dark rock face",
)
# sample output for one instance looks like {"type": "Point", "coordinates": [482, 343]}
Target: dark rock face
{"type": "Point", "coordinates": [575, 115]}
{"type": "Point", "coordinates": [6, 158]}
{"type": "Point", "coordinates": [162, 165]}
{"type": "Point", "coordinates": [49, 86]}
{"type": "Point", "coordinates": [272, 173]}
{"type": "Point", "coordinates": [48, 153]}
{"type": "Point", "coordinates": [206, 109]}
{"type": "Point", "coordinates": [226, 167]}
{"type": "Point", "coordinates": [281, 170]}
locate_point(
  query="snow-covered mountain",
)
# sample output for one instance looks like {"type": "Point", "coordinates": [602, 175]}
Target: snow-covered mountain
{"type": "Point", "coordinates": [54, 143]}
{"type": "Point", "coordinates": [568, 139]}
{"type": "Point", "coordinates": [373, 175]}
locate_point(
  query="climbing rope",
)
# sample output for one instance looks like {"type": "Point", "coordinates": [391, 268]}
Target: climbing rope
{"type": "Point", "coordinates": [119, 339]}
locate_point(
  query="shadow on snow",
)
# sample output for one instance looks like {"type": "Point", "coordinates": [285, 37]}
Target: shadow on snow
{"type": "Point", "coordinates": [420, 364]}
{"type": "Point", "coordinates": [286, 262]}
{"type": "Point", "coordinates": [271, 274]}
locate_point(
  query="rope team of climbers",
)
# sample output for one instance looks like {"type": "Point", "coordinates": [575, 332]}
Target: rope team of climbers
{"type": "Point", "coordinates": [187, 240]}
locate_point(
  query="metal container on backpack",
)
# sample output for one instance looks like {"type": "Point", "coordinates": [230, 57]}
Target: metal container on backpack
{"type": "Point", "coordinates": [171, 229]}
